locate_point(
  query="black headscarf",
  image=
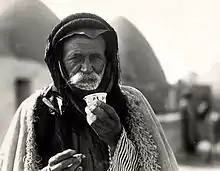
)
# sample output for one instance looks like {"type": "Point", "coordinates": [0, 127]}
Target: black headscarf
{"type": "Point", "coordinates": [53, 131]}
{"type": "Point", "coordinates": [66, 27]}
{"type": "Point", "coordinates": [110, 81]}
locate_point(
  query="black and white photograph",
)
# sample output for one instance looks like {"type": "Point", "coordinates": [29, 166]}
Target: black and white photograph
{"type": "Point", "coordinates": [118, 85]}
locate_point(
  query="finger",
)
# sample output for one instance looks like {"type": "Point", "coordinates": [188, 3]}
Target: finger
{"type": "Point", "coordinates": [109, 110]}
{"type": "Point", "coordinates": [72, 169]}
{"type": "Point", "coordinates": [101, 131]}
{"type": "Point", "coordinates": [101, 120]}
{"type": "Point", "coordinates": [76, 166]}
{"type": "Point", "coordinates": [104, 121]}
{"type": "Point", "coordinates": [90, 117]}
{"type": "Point", "coordinates": [73, 162]}
{"type": "Point", "coordinates": [101, 114]}
{"type": "Point", "coordinates": [96, 127]}
{"type": "Point", "coordinates": [61, 156]}
{"type": "Point", "coordinates": [94, 105]}
{"type": "Point", "coordinates": [93, 114]}
{"type": "Point", "coordinates": [98, 111]}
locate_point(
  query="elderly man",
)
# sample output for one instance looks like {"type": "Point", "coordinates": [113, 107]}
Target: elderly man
{"type": "Point", "coordinates": [54, 129]}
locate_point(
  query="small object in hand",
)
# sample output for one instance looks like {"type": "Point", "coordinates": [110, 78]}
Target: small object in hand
{"type": "Point", "coordinates": [92, 98]}
{"type": "Point", "coordinates": [79, 156]}
{"type": "Point", "coordinates": [90, 116]}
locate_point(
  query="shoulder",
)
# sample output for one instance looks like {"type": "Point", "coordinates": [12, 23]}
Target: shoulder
{"type": "Point", "coordinates": [128, 90]}
{"type": "Point", "coordinates": [30, 102]}
{"type": "Point", "coordinates": [27, 110]}
{"type": "Point", "coordinates": [137, 101]}
{"type": "Point", "coordinates": [132, 93]}
{"type": "Point", "coordinates": [135, 98]}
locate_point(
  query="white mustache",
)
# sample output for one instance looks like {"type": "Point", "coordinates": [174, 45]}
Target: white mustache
{"type": "Point", "coordinates": [85, 81]}
{"type": "Point", "coordinates": [82, 77]}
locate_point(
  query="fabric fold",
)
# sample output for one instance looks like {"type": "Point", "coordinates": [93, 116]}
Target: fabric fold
{"type": "Point", "coordinates": [142, 145]}
{"type": "Point", "coordinates": [125, 156]}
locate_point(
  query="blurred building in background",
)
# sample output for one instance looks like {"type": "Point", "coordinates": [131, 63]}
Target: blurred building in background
{"type": "Point", "coordinates": [139, 65]}
{"type": "Point", "coordinates": [206, 117]}
{"type": "Point", "coordinates": [25, 25]}
{"type": "Point", "coordinates": [199, 90]}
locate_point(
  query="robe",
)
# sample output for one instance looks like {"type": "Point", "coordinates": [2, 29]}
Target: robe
{"type": "Point", "coordinates": [142, 146]}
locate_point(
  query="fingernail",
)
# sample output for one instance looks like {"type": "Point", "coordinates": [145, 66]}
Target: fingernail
{"type": "Point", "coordinates": [79, 156]}
{"type": "Point", "coordinates": [73, 152]}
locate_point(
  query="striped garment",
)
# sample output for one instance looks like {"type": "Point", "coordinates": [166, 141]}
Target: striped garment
{"type": "Point", "coordinates": [125, 156]}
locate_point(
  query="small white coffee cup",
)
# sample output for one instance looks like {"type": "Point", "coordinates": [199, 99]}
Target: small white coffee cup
{"type": "Point", "coordinates": [92, 98]}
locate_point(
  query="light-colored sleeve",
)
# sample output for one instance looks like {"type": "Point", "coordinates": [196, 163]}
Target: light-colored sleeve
{"type": "Point", "coordinates": [18, 151]}
{"type": "Point", "coordinates": [12, 143]}
{"type": "Point", "coordinates": [125, 157]}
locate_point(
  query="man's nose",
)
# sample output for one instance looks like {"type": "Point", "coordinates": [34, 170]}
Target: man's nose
{"type": "Point", "coordinates": [86, 66]}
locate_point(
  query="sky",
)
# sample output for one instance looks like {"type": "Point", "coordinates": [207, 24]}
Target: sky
{"type": "Point", "coordinates": [184, 34]}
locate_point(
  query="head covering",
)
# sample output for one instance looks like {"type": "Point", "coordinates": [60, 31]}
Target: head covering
{"type": "Point", "coordinates": [84, 23]}
{"type": "Point", "coordinates": [90, 25]}
{"type": "Point", "coordinates": [88, 32]}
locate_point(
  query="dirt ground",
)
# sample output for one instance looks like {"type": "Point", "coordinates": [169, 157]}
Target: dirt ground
{"type": "Point", "coordinates": [199, 162]}
{"type": "Point", "coordinates": [202, 162]}
{"type": "Point", "coordinates": [193, 168]}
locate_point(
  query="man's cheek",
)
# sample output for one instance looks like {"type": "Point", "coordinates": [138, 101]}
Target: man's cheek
{"type": "Point", "coordinates": [74, 70]}
{"type": "Point", "coordinates": [99, 69]}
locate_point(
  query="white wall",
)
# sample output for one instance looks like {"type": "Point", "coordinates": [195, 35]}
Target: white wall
{"type": "Point", "coordinates": [10, 69]}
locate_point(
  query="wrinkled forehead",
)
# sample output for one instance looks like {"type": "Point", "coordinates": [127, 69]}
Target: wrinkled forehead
{"type": "Point", "coordinates": [82, 43]}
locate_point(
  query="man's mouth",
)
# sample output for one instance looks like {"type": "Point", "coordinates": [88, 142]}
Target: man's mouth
{"type": "Point", "coordinates": [85, 81]}
{"type": "Point", "coordinates": [84, 78]}
{"type": "Point", "coordinates": [88, 80]}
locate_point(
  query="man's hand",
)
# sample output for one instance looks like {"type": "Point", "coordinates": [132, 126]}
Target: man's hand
{"type": "Point", "coordinates": [66, 160]}
{"type": "Point", "coordinates": [105, 122]}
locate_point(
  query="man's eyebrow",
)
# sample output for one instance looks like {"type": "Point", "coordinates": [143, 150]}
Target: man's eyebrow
{"type": "Point", "coordinates": [95, 53]}
{"type": "Point", "coordinates": [74, 52]}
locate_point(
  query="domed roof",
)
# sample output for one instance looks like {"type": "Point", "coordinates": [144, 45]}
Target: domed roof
{"type": "Point", "coordinates": [139, 65]}
{"type": "Point", "coordinates": [25, 26]}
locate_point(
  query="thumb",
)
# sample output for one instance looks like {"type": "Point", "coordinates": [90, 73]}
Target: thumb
{"type": "Point", "coordinates": [90, 117]}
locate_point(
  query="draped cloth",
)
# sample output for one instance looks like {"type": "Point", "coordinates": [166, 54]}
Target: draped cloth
{"type": "Point", "coordinates": [19, 149]}
{"type": "Point", "coordinates": [142, 145]}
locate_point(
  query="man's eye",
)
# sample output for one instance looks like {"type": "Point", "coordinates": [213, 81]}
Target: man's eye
{"type": "Point", "coordinates": [93, 57]}
{"type": "Point", "coordinates": [76, 57]}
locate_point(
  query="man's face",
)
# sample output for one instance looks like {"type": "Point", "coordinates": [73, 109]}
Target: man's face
{"type": "Point", "coordinates": [85, 61]}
